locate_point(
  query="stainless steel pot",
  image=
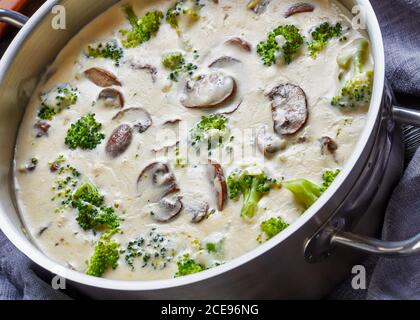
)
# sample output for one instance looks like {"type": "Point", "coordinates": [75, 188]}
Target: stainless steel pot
{"type": "Point", "coordinates": [305, 261]}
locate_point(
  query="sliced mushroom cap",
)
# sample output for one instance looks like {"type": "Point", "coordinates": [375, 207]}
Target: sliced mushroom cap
{"type": "Point", "coordinates": [167, 208]}
{"type": "Point", "coordinates": [258, 6]}
{"type": "Point", "coordinates": [329, 143]}
{"type": "Point", "coordinates": [111, 98]}
{"type": "Point", "coordinates": [102, 77]}
{"type": "Point", "coordinates": [268, 143]}
{"type": "Point", "coordinates": [229, 111]}
{"type": "Point", "coordinates": [139, 118]}
{"type": "Point", "coordinates": [155, 182]}
{"type": "Point", "coordinates": [289, 108]}
{"type": "Point", "coordinates": [209, 91]}
{"type": "Point", "coordinates": [119, 141]}
{"type": "Point", "coordinates": [223, 62]}
{"type": "Point", "coordinates": [299, 8]}
{"type": "Point", "coordinates": [197, 208]}
{"type": "Point", "coordinates": [41, 128]}
{"type": "Point", "coordinates": [240, 43]}
{"type": "Point", "coordinates": [218, 179]}
{"type": "Point", "coordinates": [146, 67]}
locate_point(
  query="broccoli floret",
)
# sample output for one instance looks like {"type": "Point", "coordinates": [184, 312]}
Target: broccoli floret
{"type": "Point", "coordinates": [181, 8]}
{"type": "Point", "coordinates": [321, 35]}
{"type": "Point", "coordinates": [46, 113]}
{"type": "Point", "coordinates": [271, 228]}
{"type": "Point", "coordinates": [187, 266]}
{"type": "Point", "coordinates": [253, 185]}
{"type": "Point", "coordinates": [85, 133]}
{"type": "Point", "coordinates": [357, 83]}
{"type": "Point", "coordinates": [142, 28]}
{"type": "Point", "coordinates": [212, 128]}
{"type": "Point", "coordinates": [211, 247]}
{"type": "Point", "coordinates": [109, 50]}
{"type": "Point", "coordinates": [328, 178]}
{"type": "Point", "coordinates": [92, 213]}
{"type": "Point", "coordinates": [173, 60]}
{"type": "Point", "coordinates": [87, 192]}
{"type": "Point", "coordinates": [105, 256]}
{"type": "Point", "coordinates": [56, 100]}
{"type": "Point", "coordinates": [290, 44]}
{"type": "Point", "coordinates": [307, 192]}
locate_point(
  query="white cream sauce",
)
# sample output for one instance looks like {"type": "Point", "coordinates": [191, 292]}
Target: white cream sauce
{"type": "Point", "coordinates": [65, 242]}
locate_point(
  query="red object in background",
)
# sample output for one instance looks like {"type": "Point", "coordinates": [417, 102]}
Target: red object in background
{"type": "Point", "coordinates": [16, 5]}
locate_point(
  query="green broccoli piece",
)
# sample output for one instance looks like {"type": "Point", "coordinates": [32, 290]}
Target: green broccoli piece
{"type": "Point", "coordinates": [173, 60]}
{"type": "Point", "coordinates": [87, 192]}
{"type": "Point", "coordinates": [211, 247]}
{"type": "Point", "coordinates": [321, 35]}
{"type": "Point", "coordinates": [357, 84]}
{"type": "Point", "coordinates": [142, 28]}
{"type": "Point", "coordinates": [56, 100]}
{"type": "Point", "coordinates": [85, 133]}
{"type": "Point", "coordinates": [253, 185]}
{"type": "Point", "coordinates": [46, 113]}
{"type": "Point", "coordinates": [293, 41]}
{"type": "Point", "coordinates": [109, 50]}
{"type": "Point", "coordinates": [105, 256]}
{"type": "Point", "coordinates": [328, 178]}
{"type": "Point", "coordinates": [187, 266]}
{"type": "Point", "coordinates": [271, 228]}
{"type": "Point", "coordinates": [179, 9]}
{"type": "Point", "coordinates": [212, 128]}
{"type": "Point", "coordinates": [307, 192]}
{"type": "Point", "coordinates": [91, 210]}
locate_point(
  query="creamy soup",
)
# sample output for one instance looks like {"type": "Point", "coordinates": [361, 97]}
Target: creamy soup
{"type": "Point", "coordinates": [169, 137]}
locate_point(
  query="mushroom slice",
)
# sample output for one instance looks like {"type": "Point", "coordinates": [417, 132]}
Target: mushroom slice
{"type": "Point", "coordinates": [258, 6]}
{"type": "Point", "coordinates": [42, 128]}
{"type": "Point", "coordinates": [329, 143]}
{"type": "Point", "coordinates": [146, 67]}
{"type": "Point", "coordinates": [111, 98]}
{"type": "Point", "coordinates": [299, 8]}
{"type": "Point", "coordinates": [139, 118]}
{"type": "Point", "coordinates": [209, 91]}
{"type": "Point", "coordinates": [269, 144]}
{"type": "Point", "coordinates": [119, 141]}
{"type": "Point", "coordinates": [218, 179]}
{"type": "Point", "coordinates": [155, 182]}
{"type": "Point", "coordinates": [224, 61]}
{"type": "Point", "coordinates": [231, 110]}
{"type": "Point", "coordinates": [240, 43]}
{"type": "Point", "coordinates": [289, 108]}
{"type": "Point", "coordinates": [197, 208]}
{"type": "Point", "coordinates": [102, 77]}
{"type": "Point", "coordinates": [167, 208]}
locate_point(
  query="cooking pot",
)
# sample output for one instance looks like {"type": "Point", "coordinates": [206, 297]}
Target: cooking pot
{"type": "Point", "coordinates": [305, 261]}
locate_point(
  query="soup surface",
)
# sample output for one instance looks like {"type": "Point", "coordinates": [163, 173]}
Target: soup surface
{"type": "Point", "coordinates": [171, 137]}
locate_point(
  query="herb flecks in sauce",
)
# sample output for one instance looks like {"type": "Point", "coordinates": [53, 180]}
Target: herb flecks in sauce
{"type": "Point", "coordinates": [56, 100]}
{"type": "Point", "coordinates": [108, 50]}
{"type": "Point", "coordinates": [153, 250]}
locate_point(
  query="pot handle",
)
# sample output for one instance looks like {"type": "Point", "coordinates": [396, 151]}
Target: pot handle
{"type": "Point", "coordinates": [13, 18]}
{"type": "Point", "coordinates": [375, 246]}
{"type": "Point", "coordinates": [381, 247]}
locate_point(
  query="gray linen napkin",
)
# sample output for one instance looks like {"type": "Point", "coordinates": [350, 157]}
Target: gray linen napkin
{"type": "Point", "coordinates": [390, 278]}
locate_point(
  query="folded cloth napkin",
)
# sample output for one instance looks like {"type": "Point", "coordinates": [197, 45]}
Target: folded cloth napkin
{"type": "Point", "coordinates": [390, 278]}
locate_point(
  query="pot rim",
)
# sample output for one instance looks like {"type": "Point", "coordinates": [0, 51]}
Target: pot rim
{"type": "Point", "coordinates": [31, 251]}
